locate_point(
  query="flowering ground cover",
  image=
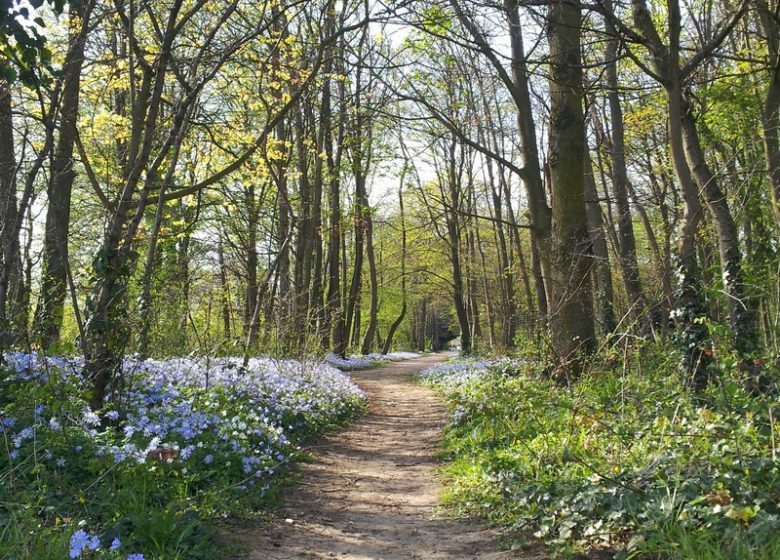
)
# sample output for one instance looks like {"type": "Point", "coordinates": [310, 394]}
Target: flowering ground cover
{"type": "Point", "coordinates": [630, 461]}
{"type": "Point", "coordinates": [182, 443]}
{"type": "Point", "coordinates": [353, 362]}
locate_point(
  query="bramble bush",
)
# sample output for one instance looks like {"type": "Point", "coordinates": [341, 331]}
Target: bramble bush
{"type": "Point", "coordinates": [182, 442]}
{"type": "Point", "coordinates": [627, 460]}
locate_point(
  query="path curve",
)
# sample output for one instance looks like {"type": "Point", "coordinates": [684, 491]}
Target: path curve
{"type": "Point", "coordinates": [371, 491]}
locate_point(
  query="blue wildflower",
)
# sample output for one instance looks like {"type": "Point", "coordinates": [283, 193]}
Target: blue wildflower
{"type": "Point", "coordinates": [24, 435]}
{"type": "Point", "coordinates": [94, 542]}
{"type": "Point", "coordinates": [79, 542]}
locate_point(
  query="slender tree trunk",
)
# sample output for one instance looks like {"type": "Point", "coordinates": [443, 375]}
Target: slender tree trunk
{"type": "Point", "coordinates": [690, 315]}
{"type": "Point", "coordinates": [740, 305]}
{"type": "Point", "coordinates": [771, 108]}
{"type": "Point", "coordinates": [453, 220]}
{"type": "Point", "coordinates": [471, 287]}
{"type": "Point", "coordinates": [397, 323]}
{"type": "Point", "coordinates": [539, 211]}
{"type": "Point", "coordinates": [305, 235]}
{"type": "Point", "coordinates": [664, 249]}
{"type": "Point", "coordinates": [335, 313]}
{"type": "Point", "coordinates": [357, 266]}
{"type": "Point", "coordinates": [356, 325]}
{"type": "Point", "coordinates": [602, 279]}
{"type": "Point", "coordinates": [319, 318]}
{"type": "Point", "coordinates": [627, 245]}
{"type": "Point", "coordinates": [11, 274]}
{"type": "Point", "coordinates": [51, 304]}
{"type": "Point", "coordinates": [658, 316]}
{"type": "Point", "coordinates": [279, 165]}
{"type": "Point", "coordinates": [373, 309]}
{"type": "Point", "coordinates": [146, 283]}
{"type": "Point", "coordinates": [487, 295]}
{"type": "Point", "coordinates": [517, 241]}
{"type": "Point", "coordinates": [693, 333]}
{"type": "Point", "coordinates": [250, 260]}
{"type": "Point", "coordinates": [509, 326]}
{"type": "Point", "coordinates": [225, 290]}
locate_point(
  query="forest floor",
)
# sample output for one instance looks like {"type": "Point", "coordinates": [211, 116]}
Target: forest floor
{"type": "Point", "coordinates": [371, 491]}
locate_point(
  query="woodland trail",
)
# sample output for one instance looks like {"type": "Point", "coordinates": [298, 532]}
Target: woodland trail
{"type": "Point", "coordinates": [371, 491]}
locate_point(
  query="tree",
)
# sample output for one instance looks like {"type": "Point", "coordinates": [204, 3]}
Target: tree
{"type": "Point", "coordinates": [50, 311]}
{"type": "Point", "coordinates": [570, 300]}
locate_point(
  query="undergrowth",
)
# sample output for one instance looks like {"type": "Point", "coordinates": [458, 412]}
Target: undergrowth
{"type": "Point", "coordinates": [627, 460]}
{"type": "Point", "coordinates": [183, 444]}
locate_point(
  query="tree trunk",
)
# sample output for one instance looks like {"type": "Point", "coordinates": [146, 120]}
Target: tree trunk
{"type": "Point", "coordinates": [225, 291]}
{"type": "Point", "coordinates": [509, 325]}
{"type": "Point", "coordinates": [571, 302]}
{"type": "Point", "coordinates": [146, 283]}
{"type": "Point", "coordinates": [250, 260]}
{"type": "Point", "coordinates": [602, 279]}
{"type": "Point", "coordinates": [693, 333]}
{"type": "Point", "coordinates": [741, 307]}
{"type": "Point", "coordinates": [627, 245]}
{"type": "Point", "coordinates": [304, 245]}
{"type": "Point", "coordinates": [373, 308]}
{"type": "Point", "coordinates": [452, 217]}
{"type": "Point", "coordinates": [335, 313]}
{"type": "Point", "coordinates": [539, 211]}
{"type": "Point", "coordinates": [771, 109]}
{"type": "Point", "coordinates": [50, 312]}
{"type": "Point", "coordinates": [690, 315]}
{"type": "Point", "coordinates": [11, 274]}
{"type": "Point", "coordinates": [397, 323]}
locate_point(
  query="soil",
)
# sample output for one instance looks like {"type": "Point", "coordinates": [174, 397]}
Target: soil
{"type": "Point", "coordinates": [371, 491]}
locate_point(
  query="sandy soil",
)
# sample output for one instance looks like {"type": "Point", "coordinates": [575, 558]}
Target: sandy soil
{"type": "Point", "coordinates": [371, 491]}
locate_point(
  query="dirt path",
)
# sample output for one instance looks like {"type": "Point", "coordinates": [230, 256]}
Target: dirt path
{"type": "Point", "coordinates": [371, 492]}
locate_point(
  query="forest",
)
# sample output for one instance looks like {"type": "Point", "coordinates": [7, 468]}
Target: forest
{"type": "Point", "coordinates": [266, 267]}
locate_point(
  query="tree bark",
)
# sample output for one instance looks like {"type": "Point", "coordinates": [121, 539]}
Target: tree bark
{"type": "Point", "coordinates": [771, 108]}
{"type": "Point", "coordinates": [740, 305]}
{"type": "Point", "coordinates": [50, 312]}
{"type": "Point", "coordinates": [692, 331]}
{"type": "Point", "coordinates": [571, 302]}
{"type": "Point", "coordinates": [602, 279]}
{"type": "Point", "coordinates": [627, 245]}
{"type": "Point", "coordinates": [11, 274]}
{"type": "Point", "coordinates": [335, 313]}
{"type": "Point", "coordinates": [225, 290]}
{"type": "Point", "coordinates": [539, 212]}
{"type": "Point", "coordinates": [397, 323]}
